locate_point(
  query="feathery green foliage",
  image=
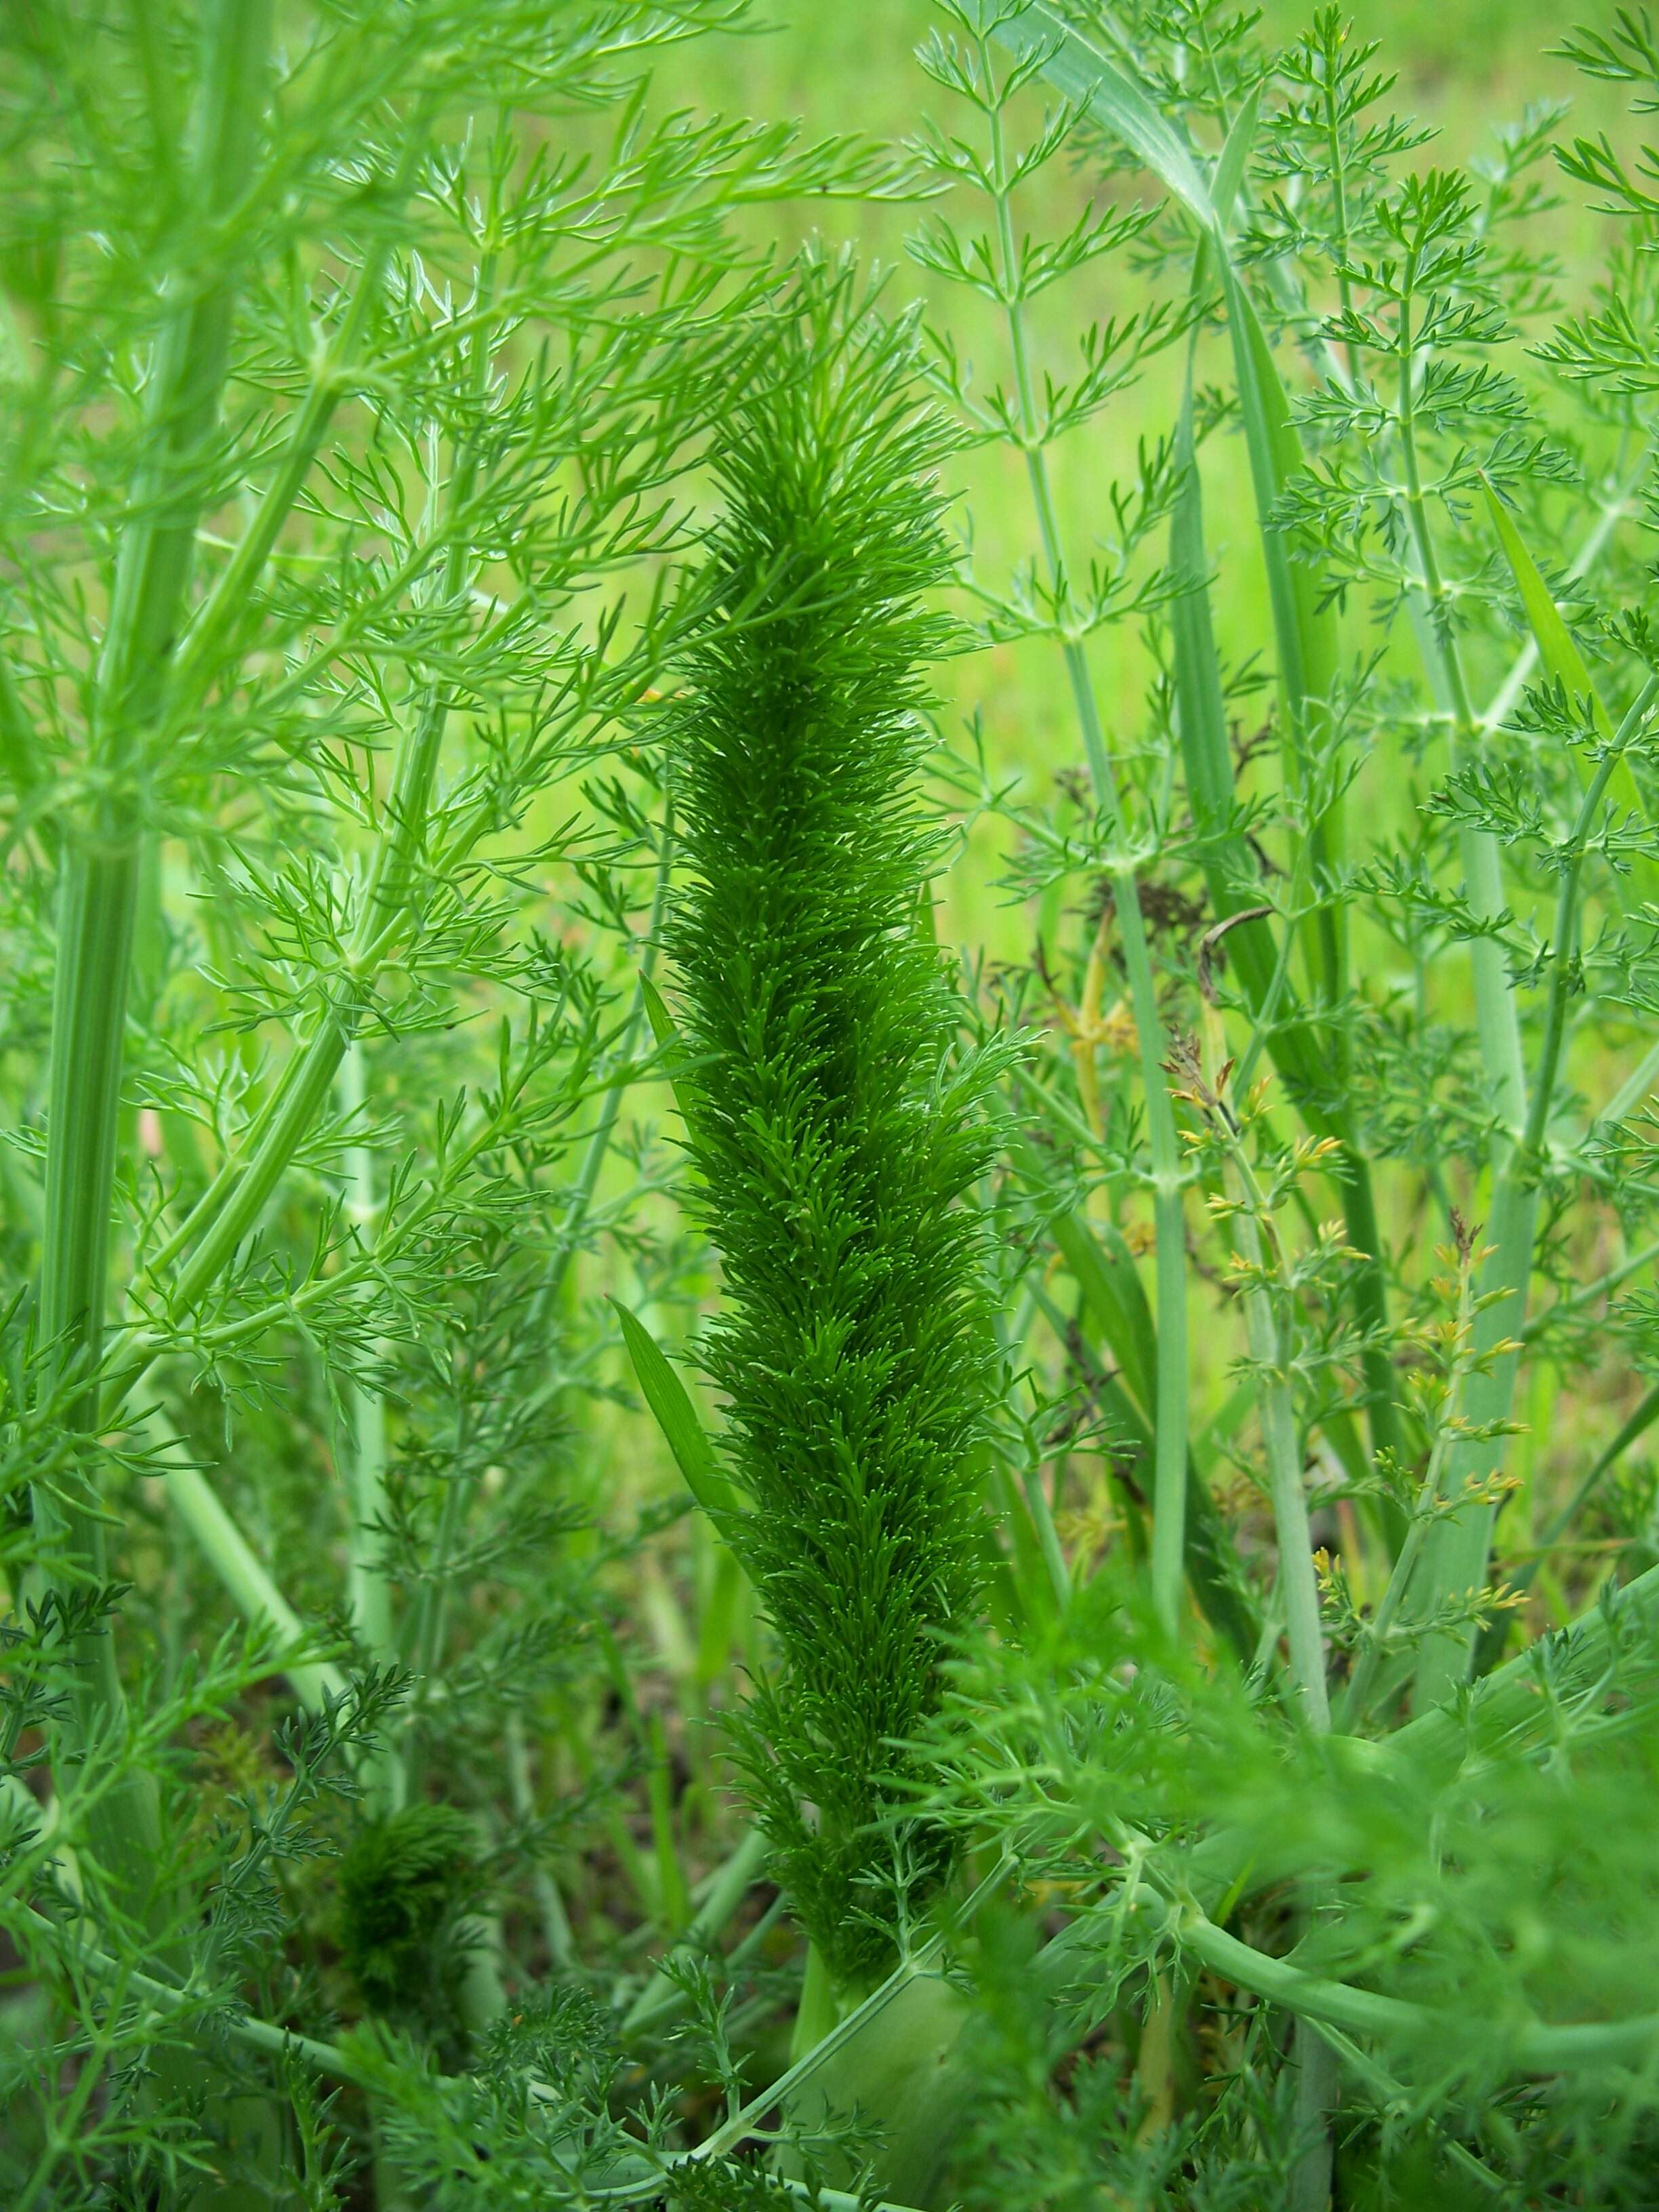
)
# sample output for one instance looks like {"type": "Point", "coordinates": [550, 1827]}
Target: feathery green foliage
{"type": "Point", "coordinates": [405, 1885]}
{"type": "Point", "coordinates": [833, 1125]}
{"type": "Point", "coordinates": [1135, 1685]}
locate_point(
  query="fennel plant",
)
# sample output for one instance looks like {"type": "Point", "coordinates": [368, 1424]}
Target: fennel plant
{"type": "Point", "coordinates": [1115, 1663]}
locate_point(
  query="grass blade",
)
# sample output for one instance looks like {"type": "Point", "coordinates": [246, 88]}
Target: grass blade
{"type": "Point", "coordinates": [1234, 157]}
{"type": "Point", "coordinates": [1104, 1265]}
{"type": "Point", "coordinates": [1305, 632]}
{"type": "Point", "coordinates": [1232, 879]}
{"type": "Point", "coordinates": [677, 1417]}
{"type": "Point", "coordinates": [1084, 72]}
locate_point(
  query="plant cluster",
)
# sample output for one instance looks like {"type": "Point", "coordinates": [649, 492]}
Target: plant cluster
{"type": "Point", "coordinates": [1114, 1663]}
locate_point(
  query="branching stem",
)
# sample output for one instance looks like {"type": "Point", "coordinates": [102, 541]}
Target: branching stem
{"type": "Point", "coordinates": [1169, 1475]}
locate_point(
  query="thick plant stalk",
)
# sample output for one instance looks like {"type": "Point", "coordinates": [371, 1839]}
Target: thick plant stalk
{"type": "Point", "coordinates": [555, 1922]}
{"type": "Point", "coordinates": [1459, 1563]}
{"type": "Point", "coordinates": [369, 1587]}
{"type": "Point", "coordinates": [1269, 1298]}
{"type": "Point", "coordinates": [100, 873]}
{"type": "Point", "coordinates": [98, 898]}
{"type": "Point", "coordinates": [1356, 1695]}
{"type": "Point", "coordinates": [731, 1884]}
{"type": "Point", "coordinates": [1314, 2062]}
{"type": "Point", "coordinates": [1299, 1586]}
{"type": "Point", "coordinates": [1307, 642]}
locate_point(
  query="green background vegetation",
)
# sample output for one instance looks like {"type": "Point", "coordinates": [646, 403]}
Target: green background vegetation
{"type": "Point", "coordinates": [437, 1393]}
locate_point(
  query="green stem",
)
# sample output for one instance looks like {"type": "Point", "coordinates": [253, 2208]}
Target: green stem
{"type": "Point", "coordinates": [237, 1566]}
{"type": "Point", "coordinates": [1356, 1698]}
{"type": "Point", "coordinates": [99, 892]}
{"type": "Point", "coordinates": [224, 612]}
{"type": "Point", "coordinates": [921, 1965]}
{"type": "Point", "coordinates": [1265, 1013]}
{"type": "Point", "coordinates": [1454, 1557]}
{"type": "Point", "coordinates": [1603, 1287]}
{"type": "Point", "coordinates": [1339, 176]}
{"type": "Point", "coordinates": [1457, 1555]}
{"type": "Point", "coordinates": [1530, 2046]}
{"type": "Point", "coordinates": [1270, 1349]}
{"type": "Point", "coordinates": [1048, 1543]}
{"type": "Point", "coordinates": [368, 1585]}
{"type": "Point", "coordinates": [1170, 1464]}
{"type": "Point", "coordinates": [598, 1144]}
{"type": "Point", "coordinates": [370, 1593]}
{"type": "Point", "coordinates": [341, 2063]}
{"type": "Point", "coordinates": [1633, 1091]}
{"type": "Point", "coordinates": [555, 1922]}
{"type": "Point", "coordinates": [731, 1884]}
{"type": "Point", "coordinates": [1496, 1016]}
{"type": "Point", "coordinates": [1232, 875]}
{"type": "Point", "coordinates": [1642, 1419]}
{"type": "Point", "coordinates": [238, 1195]}
{"type": "Point", "coordinates": [1565, 929]}
{"type": "Point", "coordinates": [1318, 2083]}
{"type": "Point", "coordinates": [1432, 1749]}
{"type": "Point", "coordinates": [1609, 514]}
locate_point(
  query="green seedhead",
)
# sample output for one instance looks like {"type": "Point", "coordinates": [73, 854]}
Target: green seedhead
{"type": "Point", "coordinates": [834, 1125]}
